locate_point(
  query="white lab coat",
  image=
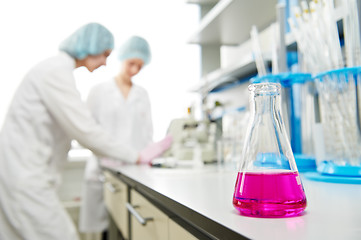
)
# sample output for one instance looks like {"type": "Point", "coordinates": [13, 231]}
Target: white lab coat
{"type": "Point", "coordinates": [45, 114]}
{"type": "Point", "coordinates": [127, 120]}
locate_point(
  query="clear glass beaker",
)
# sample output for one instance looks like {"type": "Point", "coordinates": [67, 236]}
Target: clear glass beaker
{"type": "Point", "coordinates": [268, 183]}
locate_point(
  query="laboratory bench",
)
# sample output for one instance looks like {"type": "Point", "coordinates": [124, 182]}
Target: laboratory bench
{"type": "Point", "coordinates": [196, 203]}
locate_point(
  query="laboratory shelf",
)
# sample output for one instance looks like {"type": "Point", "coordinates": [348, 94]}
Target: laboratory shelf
{"type": "Point", "coordinates": [230, 21]}
{"type": "Point", "coordinates": [221, 114]}
{"type": "Point", "coordinates": [222, 78]}
{"type": "Point", "coordinates": [218, 27]}
{"type": "Point", "coordinates": [230, 85]}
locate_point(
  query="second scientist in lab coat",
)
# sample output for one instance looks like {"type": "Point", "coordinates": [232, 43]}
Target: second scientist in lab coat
{"type": "Point", "coordinates": [123, 109]}
{"type": "Point", "coordinates": [45, 115]}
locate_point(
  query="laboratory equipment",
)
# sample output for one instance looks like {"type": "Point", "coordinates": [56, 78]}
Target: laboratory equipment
{"type": "Point", "coordinates": [268, 183]}
{"type": "Point", "coordinates": [314, 27]}
{"type": "Point", "coordinates": [300, 91]}
{"type": "Point", "coordinates": [339, 147]}
{"type": "Point", "coordinates": [352, 34]}
{"type": "Point", "coordinates": [192, 137]}
{"type": "Point", "coordinates": [234, 126]}
{"type": "Point", "coordinates": [256, 49]}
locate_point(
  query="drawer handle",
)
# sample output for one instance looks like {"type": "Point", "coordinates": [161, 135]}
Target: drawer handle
{"type": "Point", "coordinates": [134, 212]}
{"type": "Point", "coordinates": [111, 188]}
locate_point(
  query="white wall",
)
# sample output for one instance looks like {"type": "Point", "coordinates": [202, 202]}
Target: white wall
{"type": "Point", "coordinates": [32, 31]}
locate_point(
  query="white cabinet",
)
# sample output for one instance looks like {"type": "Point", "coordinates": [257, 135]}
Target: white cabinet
{"type": "Point", "coordinates": [176, 232]}
{"type": "Point", "coordinates": [155, 224]}
{"type": "Point", "coordinates": [146, 221]}
{"type": "Point", "coordinates": [116, 197]}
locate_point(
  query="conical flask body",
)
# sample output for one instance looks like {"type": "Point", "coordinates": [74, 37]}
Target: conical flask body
{"type": "Point", "coordinates": [268, 183]}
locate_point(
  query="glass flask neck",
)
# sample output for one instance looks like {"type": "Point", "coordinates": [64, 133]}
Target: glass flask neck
{"type": "Point", "coordinates": [267, 147]}
{"type": "Point", "coordinates": [265, 99]}
{"type": "Point", "coordinates": [264, 89]}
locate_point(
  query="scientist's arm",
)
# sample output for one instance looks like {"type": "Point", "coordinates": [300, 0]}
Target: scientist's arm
{"type": "Point", "coordinates": [148, 120]}
{"type": "Point", "coordinates": [64, 103]}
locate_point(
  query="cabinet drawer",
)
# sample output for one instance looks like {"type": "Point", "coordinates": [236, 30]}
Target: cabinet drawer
{"type": "Point", "coordinates": [176, 232]}
{"type": "Point", "coordinates": [116, 197]}
{"type": "Point", "coordinates": [156, 229]}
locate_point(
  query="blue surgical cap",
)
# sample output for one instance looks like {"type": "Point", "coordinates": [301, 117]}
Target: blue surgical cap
{"type": "Point", "coordinates": [91, 39]}
{"type": "Point", "coordinates": [135, 47]}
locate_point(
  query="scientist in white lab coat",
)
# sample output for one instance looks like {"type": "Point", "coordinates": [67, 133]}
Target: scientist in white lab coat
{"type": "Point", "coordinates": [45, 115]}
{"type": "Point", "coordinates": [123, 109]}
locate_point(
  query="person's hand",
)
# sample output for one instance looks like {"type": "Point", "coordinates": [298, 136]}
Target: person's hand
{"type": "Point", "coordinates": [154, 150]}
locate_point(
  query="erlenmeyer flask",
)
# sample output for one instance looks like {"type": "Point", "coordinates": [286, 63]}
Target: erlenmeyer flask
{"type": "Point", "coordinates": [268, 183]}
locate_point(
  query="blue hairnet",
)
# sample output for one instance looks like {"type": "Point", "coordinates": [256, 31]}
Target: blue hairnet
{"type": "Point", "coordinates": [91, 39]}
{"type": "Point", "coordinates": [135, 47]}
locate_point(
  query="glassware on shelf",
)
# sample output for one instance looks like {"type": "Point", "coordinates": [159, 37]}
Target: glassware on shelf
{"type": "Point", "coordinates": [339, 148]}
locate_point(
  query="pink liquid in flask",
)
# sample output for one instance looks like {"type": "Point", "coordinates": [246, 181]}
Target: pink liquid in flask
{"type": "Point", "coordinates": [269, 194]}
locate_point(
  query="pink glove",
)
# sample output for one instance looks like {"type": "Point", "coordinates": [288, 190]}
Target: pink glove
{"type": "Point", "coordinates": [154, 150]}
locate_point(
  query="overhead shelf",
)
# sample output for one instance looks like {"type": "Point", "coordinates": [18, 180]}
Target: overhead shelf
{"type": "Point", "coordinates": [239, 69]}
{"type": "Point", "coordinates": [218, 26]}
{"type": "Point", "coordinates": [222, 77]}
